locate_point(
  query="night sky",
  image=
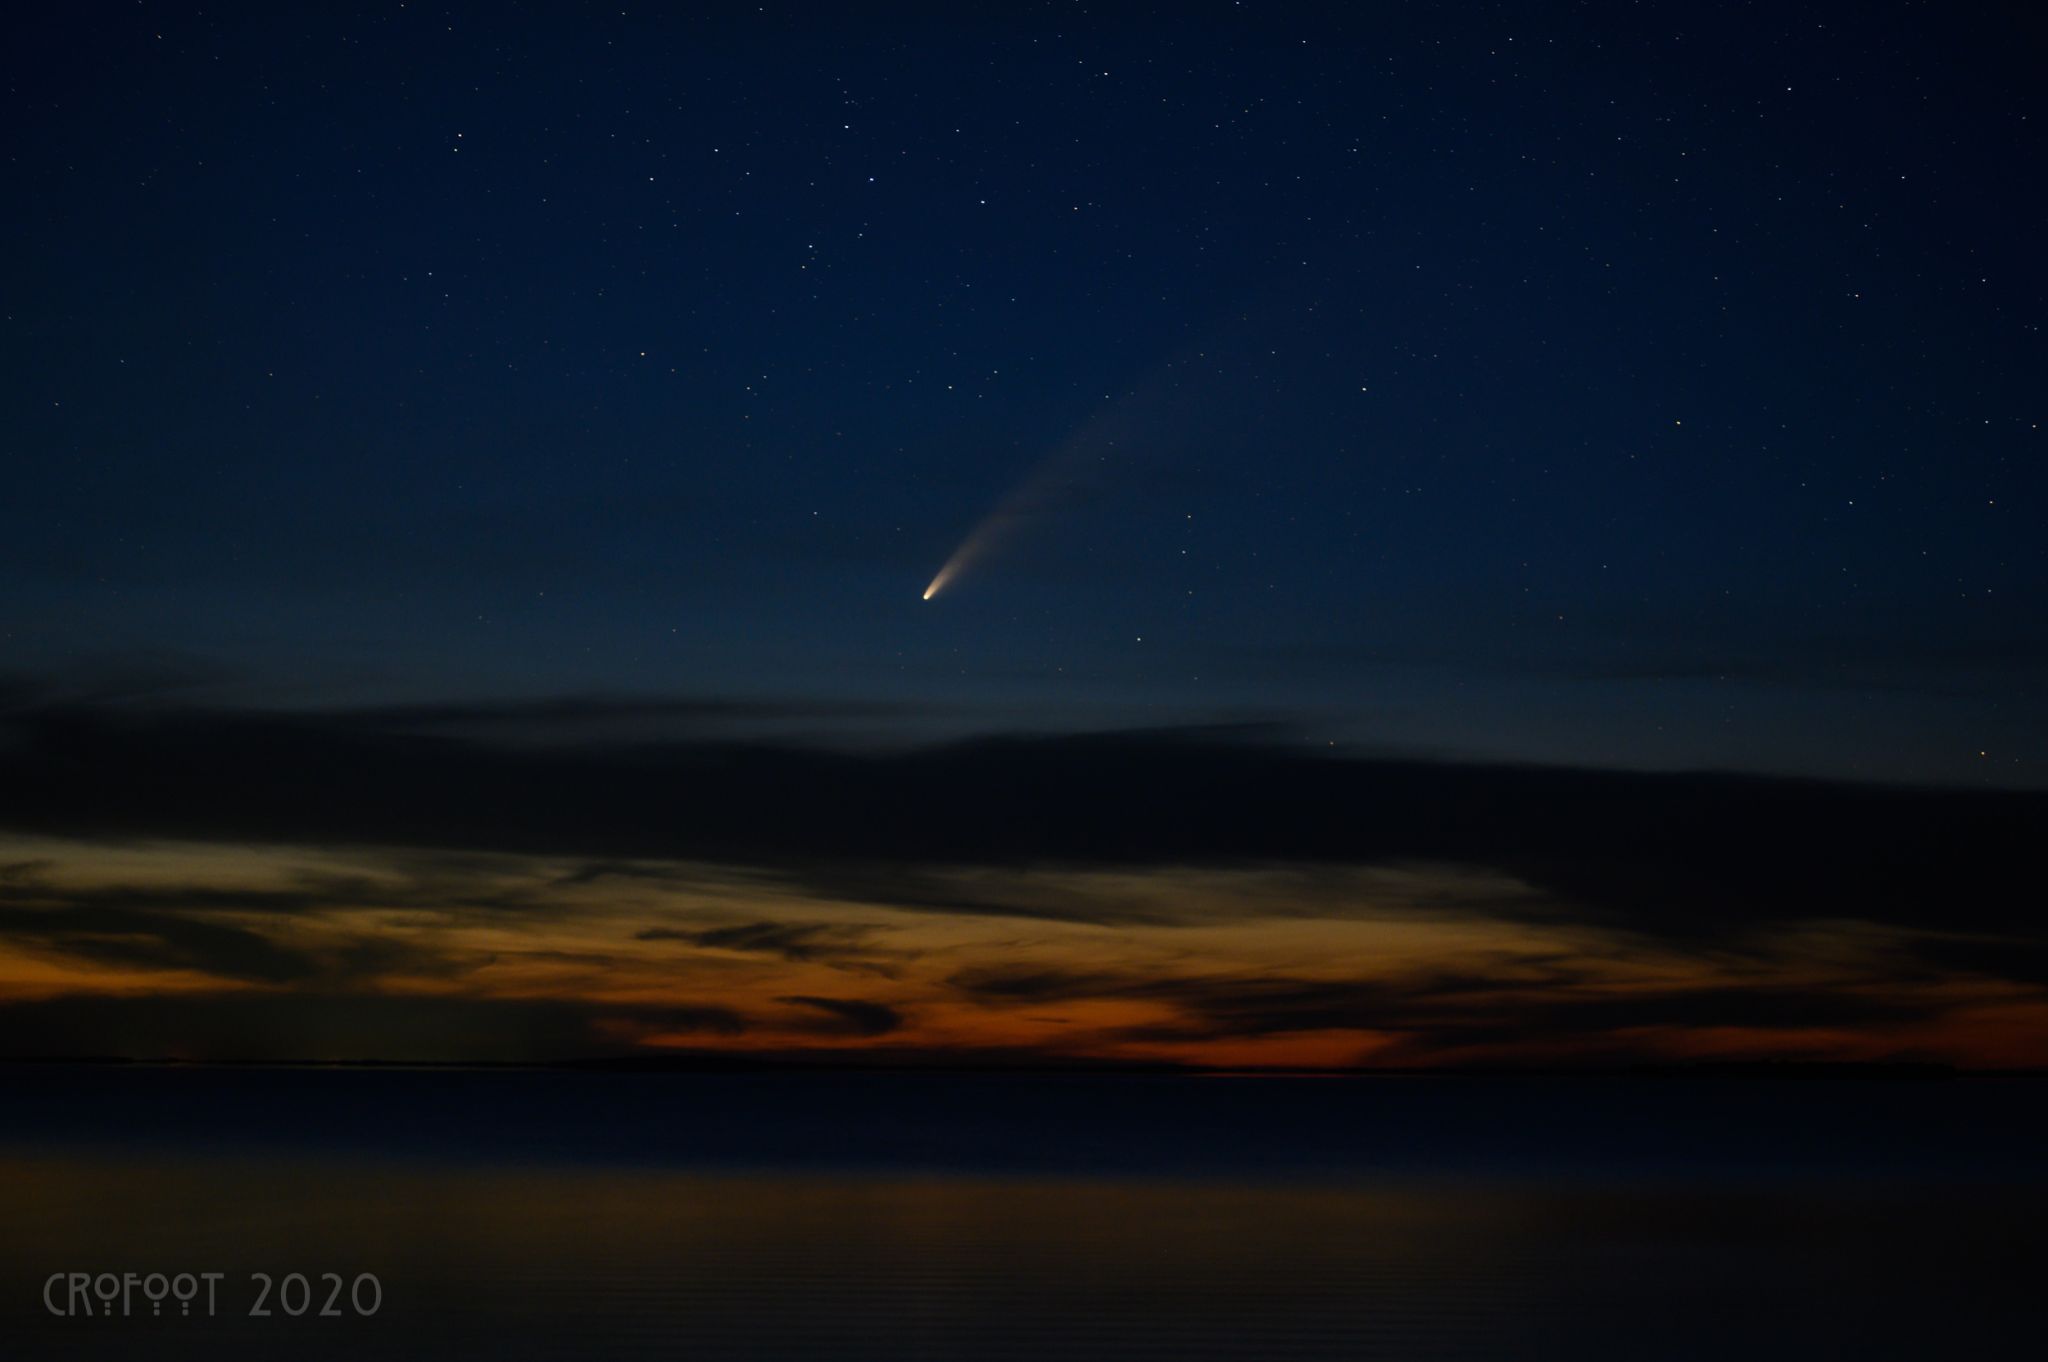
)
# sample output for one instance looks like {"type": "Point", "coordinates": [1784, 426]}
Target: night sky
{"type": "Point", "coordinates": [1464, 533]}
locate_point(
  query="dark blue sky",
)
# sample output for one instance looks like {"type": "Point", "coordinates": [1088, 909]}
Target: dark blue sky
{"type": "Point", "coordinates": [1641, 386]}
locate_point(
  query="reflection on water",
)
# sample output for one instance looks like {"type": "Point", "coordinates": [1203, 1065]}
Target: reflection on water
{"type": "Point", "coordinates": [552, 1255]}
{"type": "Point", "coordinates": [567, 1263]}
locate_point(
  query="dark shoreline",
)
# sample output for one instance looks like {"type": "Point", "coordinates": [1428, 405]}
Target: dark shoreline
{"type": "Point", "coordinates": [1599, 1126]}
{"type": "Point", "coordinates": [712, 1063]}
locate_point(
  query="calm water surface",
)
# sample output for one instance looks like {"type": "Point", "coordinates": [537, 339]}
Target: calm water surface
{"type": "Point", "coordinates": [574, 1216]}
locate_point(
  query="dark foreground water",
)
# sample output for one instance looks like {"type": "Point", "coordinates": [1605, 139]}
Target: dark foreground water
{"type": "Point", "coordinates": [855, 1216]}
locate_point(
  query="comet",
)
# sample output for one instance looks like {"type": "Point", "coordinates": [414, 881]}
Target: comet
{"type": "Point", "coordinates": [997, 526]}
{"type": "Point", "coordinates": [1059, 481]}
{"type": "Point", "coordinates": [1152, 417]}
{"type": "Point", "coordinates": [972, 547]}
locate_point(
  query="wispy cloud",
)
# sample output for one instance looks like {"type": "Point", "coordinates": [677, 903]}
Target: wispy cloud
{"type": "Point", "coordinates": [1151, 893]}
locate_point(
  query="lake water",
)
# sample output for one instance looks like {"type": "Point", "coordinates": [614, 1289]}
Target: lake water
{"type": "Point", "coordinates": [510, 1214]}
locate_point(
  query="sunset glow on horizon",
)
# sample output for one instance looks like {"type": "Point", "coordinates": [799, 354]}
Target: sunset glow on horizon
{"type": "Point", "coordinates": [354, 953]}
